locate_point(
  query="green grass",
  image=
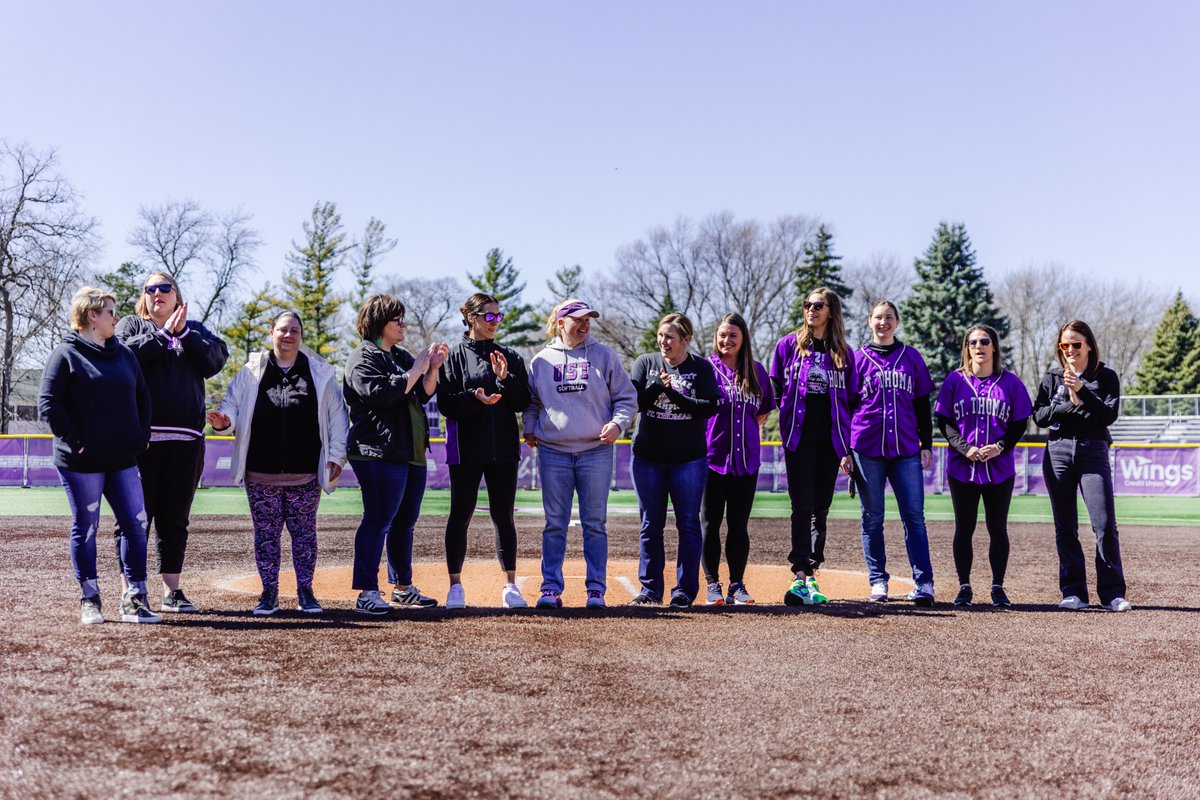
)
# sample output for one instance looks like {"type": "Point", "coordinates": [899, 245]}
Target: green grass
{"type": "Point", "coordinates": [52, 502]}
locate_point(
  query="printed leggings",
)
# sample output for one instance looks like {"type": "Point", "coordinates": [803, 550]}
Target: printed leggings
{"type": "Point", "coordinates": [272, 507]}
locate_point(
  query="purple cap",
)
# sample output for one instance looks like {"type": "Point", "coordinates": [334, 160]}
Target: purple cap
{"type": "Point", "coordinates": [577, 309]}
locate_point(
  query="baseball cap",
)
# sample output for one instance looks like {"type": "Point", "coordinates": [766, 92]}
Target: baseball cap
{"type": "Point", "coordinates": [577, 309]}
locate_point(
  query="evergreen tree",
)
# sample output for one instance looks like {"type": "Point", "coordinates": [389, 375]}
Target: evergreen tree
{"type": "Point", "coordinates": [650, 338]}
{"type": "Point", "coordinates": [818, 268]}
{"type": "Point", "coordinates": [248, 333]}
{"type": "Point", "coordinates": [500, 279]}
{"type": "Point", "coordinates": [308, 285]}
{"type": "Point", "coordinates": [126, 283]}
{"type": "Point", "coordinates": [1189, 368]}
{"type": "Point", "coordinates": [567, 282]}
{"type": "Point", "coordinates": [950, 295]}
{"type": "Point", "coordinates": [1162, 370]}
{"type": "Point", "coordinates": [373, 246]}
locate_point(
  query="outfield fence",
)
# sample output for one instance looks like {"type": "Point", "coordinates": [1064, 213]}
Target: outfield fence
{"type": "Point", "coordinates": [1138, 469]}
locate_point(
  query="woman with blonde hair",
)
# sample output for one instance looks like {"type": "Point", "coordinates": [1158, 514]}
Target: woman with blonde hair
{"type": "Point", "coordinates": [95, 399]}
{"type": "Point", "coordinates": [814, 378]}
{"type": "Point", "coordinates": [581, 401]}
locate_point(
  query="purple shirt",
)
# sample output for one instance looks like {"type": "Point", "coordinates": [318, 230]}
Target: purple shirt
{"type": "Point", "coordinates": [982, 409]}
{"type": "Point", "coordinates": [732, 434]}
{"type": "Point", "coordinates": [791, 374]}
{"type": "Point", "coordinates": [885, 422]}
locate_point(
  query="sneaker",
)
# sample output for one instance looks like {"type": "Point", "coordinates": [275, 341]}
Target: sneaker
{"type": "Point", "coordinates": [645, 599]}
{"type": "Point", "coordinates": [966, 595]}
{"type": "Point", "coordinates": [715, 597]}
{"type": "Point", "coordinates": [268, 603]}
{"type": "Point", "coordinates": [412, 598]}
{"type": "Point", "coordinates": [922, 596]}
{"type": "Point", "coordinates": [176, 602]}
{"type": "Point", "coordinates": [879, 592]}
{"type": "Point", "coordinates": [511, 597]}
{"type": "Point", "coordinates": [549, 599]}
{"type": "Point", "coordinates": [814, 591]}
{"type": "Point", "coordinates": [1119, 604]}
{"type": "Point", "coordinates": [134, 608]}
{"type": "Point", "coordinates": [456, 597]}
{"type": "Point", "coordinates": [1000, 598]}
{"type": "Point", "coordinates": [680, 600]}
{"type": "Point", "coordinates": [1072, 603]}
{"type": "Point", "coordinates": [738, 596]}
{"type": "Point", "coordinates": [595, 599]}
{"type": "Point", "coordinates": [798, 594]}
{"type": "Point", "coordinates": [371, 602]}
{"type": "Point", "coordinates": [89, 611]}
{"type": "Point", "coordinates": [306, 601]}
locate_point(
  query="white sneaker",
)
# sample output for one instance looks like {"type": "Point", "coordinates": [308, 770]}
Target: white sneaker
{"type": "Point", "coordinates": [879, 591]}
{"type": "Point", "coordinates": [510, 597]}
{"type": "Point", "coordinates": [89, 611]}
{"type": "Point", "coordinates": [1071, 603]}
{"type": "Point", "coordinates": [456, 597]}
{"type": "Point", "coordinates": [1120, 604]}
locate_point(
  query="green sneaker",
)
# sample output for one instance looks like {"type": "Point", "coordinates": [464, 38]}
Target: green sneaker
{"type": "Point", "coordinates": [814, 591]}
{"type": "Point", "coordinates": [798, 594]}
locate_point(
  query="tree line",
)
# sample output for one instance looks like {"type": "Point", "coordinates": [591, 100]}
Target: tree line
{"type": "Point", "coordinates": [705, 268]}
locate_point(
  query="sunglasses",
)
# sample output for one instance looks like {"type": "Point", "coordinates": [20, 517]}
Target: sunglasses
{"type": "Point", "coordinates": [490, 317]}
{"type": "Point", "coordinates": [161, 288]}
{"type": "Point", "coordinates": [399, 321]}
{"type": "Point", "coordinates": [984, 342]}
{"type": "Point", "coordinates": [1067, 347]}
{"type": "Point", "coordinates": [817, 306]}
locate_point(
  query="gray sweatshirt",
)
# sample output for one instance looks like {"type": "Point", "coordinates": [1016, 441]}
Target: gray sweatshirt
{"type": "Point", "coordinates": [577, 392]}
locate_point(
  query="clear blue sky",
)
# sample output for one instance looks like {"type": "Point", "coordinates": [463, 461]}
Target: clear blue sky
{"type": "Point", "coordinates": [1057, 131]}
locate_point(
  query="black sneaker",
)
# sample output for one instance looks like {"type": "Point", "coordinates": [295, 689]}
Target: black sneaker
{"type": "Point", "coordinates": [645, 599]}
{"type": "Point", "coordinates": [306, 601]}
{"type": "Point", "coordinates": [965, 595]}
{"type": "Point", "coordinates": [134, 608]}
{"type": "Point", "coordinates": [999, 598]}
{"type": "Point", "coordinates": [176, 602]}
{"type": "Point", "coordinates": [412, 598]}
{"type": "Point", "coordinates": [680, 600]}
{"type": "Point", "coordinates": [268, 603]}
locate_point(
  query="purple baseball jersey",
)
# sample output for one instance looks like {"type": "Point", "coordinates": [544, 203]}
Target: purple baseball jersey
{"type": "Point", "coordinates": [732, 434]}
{"type": "Point", "coordinates": [885, 422]}
{"type": "Point", "coordinates": [982, 409]}
{"type": "Point", "coordinates": [814, 372]}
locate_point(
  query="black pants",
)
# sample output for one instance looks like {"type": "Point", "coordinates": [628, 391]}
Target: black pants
{"type": "Point", "coordinates": [170, 473]}
{"type": "Point", "coordinates": [811, 476]}
{"type": "Point", "coordinates": [1072, 466]}
{"type": "Point", "coordinates": [997, 497]}
{"type": "Point", "coordinates": [730, 496]}
{"type": "Point", "coordinates": [464, 494]}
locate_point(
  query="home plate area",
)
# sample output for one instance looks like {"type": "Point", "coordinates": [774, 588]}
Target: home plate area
{"type": "Point", "coordinates": [483, 581]}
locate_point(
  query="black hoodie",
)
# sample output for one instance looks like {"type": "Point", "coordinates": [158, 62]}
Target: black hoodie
{"type": "Point", "coordinates": [97, 403]}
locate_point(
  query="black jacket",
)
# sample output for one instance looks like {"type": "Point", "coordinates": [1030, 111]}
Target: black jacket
{"type": "Point", "coordinates": [175, 376]}
{"type": "Point", "coordinates": [375, 390]}
{"type": "Point", "coordinates": [478, 433]}
{"type": "Point", "coordinates": [96, 401]}
{"type": "Point", "coordinates": [1101, 396]}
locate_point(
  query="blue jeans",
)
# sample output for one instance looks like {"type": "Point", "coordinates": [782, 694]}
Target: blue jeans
{"type": "Point", "coordinates": [683, 484]}
{"type": "Point", "coordinates": [391, 495]}
{"type": "Point", "coordinates": [562, 474]}
{"type": "Point", "coordinates": [904, 474]}
{"type": "Point", "coordinates": [123, 490]}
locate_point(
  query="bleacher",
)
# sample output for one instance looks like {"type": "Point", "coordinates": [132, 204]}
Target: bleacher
{"type": "Point", "coordinates": [1166, 419]}
{"type": "Point", "coordinates": [1139, 429]}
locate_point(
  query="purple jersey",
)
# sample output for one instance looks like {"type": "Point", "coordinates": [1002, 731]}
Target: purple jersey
{"type": "Point", "coordinates": [885, 422]}
{"type": "Point", "coordinates": [733, 435]}
{"type": "Point", "coordinates": [796, 376]}
{"type": "Point", "coordinates": [981, 409]}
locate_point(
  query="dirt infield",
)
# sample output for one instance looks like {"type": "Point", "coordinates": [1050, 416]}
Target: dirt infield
{"type": "Point", "coordinates": [850, 699]}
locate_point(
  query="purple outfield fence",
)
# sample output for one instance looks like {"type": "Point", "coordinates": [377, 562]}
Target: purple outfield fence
{"type": "Point", "coordinates": [1158, 470]}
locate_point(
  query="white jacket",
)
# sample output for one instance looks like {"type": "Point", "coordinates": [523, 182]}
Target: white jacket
{"type": "Point", "coordinates": [332, 419]}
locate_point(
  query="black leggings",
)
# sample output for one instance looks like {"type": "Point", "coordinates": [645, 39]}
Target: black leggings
{"type": "Point", "coordinates": [464, 494]}
{"type": "Point", "coordinates": [170, 473]}
{"type": "Point", "coordinates": [732, 496]}
{"type": "Point", "coordinates": [996, 499]}
{"type": "Point", "coordinates": [811, 477]}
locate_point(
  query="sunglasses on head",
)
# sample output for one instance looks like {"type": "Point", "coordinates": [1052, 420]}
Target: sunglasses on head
{"type": "Point", "coordinates": [983, 342]}
{"type": "Point", "coordinates": [490, 317]}
{"type": "Point", "coordinates": [814, 306]}
{"type": "Point", "coordinates": [161, 288]}
{"type": "Point", "coordinates": [1068, 346]}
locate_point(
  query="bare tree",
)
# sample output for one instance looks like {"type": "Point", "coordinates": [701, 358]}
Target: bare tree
{"type": "Point", "coordinates": [172, 236]}
{"type": "Point", "coordinates": [45, 241]}
{"type": "Point", "coordinates": [1037, 299]}
{"type": "Point", "coordinates": [1123, 315]}
{"type": "Point", "coordinates": [879, 276]}
{"type": "Point", "coordinates": [229, 257]}
{"type": "Point", "coordinates": [430, 309]}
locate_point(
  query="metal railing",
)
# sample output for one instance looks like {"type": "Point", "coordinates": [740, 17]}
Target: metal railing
{"type": "Point", "coordinates": [1161, 405]}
